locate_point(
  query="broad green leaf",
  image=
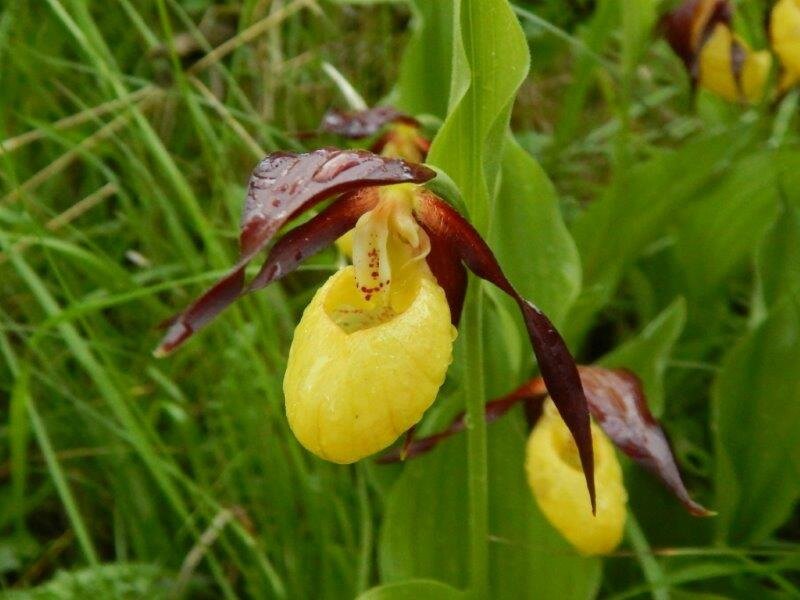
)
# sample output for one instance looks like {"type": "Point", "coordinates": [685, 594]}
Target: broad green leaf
{"type": "Point", "coordinates": [490, 62]}
{"type": "Point", "coordinates": [647, 353]}
{"type": "Point", "coordinates": [530, 238]}
{"type": "Point", "coordinates": [778, 261]}
{"type": "Point", "coordinates": [756, 408]}
{"type": "Point", "coordinates": [721, 228]}
{"type": "Point", "coordinates": [424, 532]}
{"type": "Point", "coordinates": [636, 210]}
{"type": "Point", "coordinates": [419, 589]}
{"type": "Point", "coordinates": [424, 80]}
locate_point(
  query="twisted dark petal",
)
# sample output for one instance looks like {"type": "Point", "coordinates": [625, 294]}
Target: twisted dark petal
{"type": "Point", "coordinates": [313, 236]}
{"type": "Point", "coordinates": [446, 266]}
{"type": "Point", "coordinates": [532, 394]}
{"type": "Point", "coordinates": [282, 186]}
{"type": "Point", "coordinates": [555, 361]}
{"type": "Point", "coordinates": [701, 16]}
{"type": "Point", "coordinates": [617, 403]}
{"type": "Point", "coordinates": [359, 124]}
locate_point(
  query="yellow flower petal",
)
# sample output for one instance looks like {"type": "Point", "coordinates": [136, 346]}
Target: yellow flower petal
{"type": "Point", "coordinates": [345, 244]}
{"type": "Point", "coordinates": [716, 69]}
{"type": "Point", "coordinates": [358, 377]}
{"type": "Point", "coordinates": [555, 477]}
{"type": "Point", "coordinates": [785, 34]}
{"type": "Point", "coordinates": [755, 73]}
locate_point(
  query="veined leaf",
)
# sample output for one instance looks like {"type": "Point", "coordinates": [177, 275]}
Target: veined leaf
{"type": "Point", "coordinates": [530, 238]}
{"type": "Point", "coordinates": [648, 352]}
{"type": "Point", "coordinates": [756, 408]}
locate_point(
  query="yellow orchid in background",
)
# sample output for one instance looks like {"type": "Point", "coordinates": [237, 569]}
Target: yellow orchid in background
{"type": "Point", "coordinates": [784, 25]}
{"type": "Point", "coordinates": [373, 346]}
{"type": "Point", "coordinates": [556, 481]}
{"type": "Point", "coordinates": [717, 59]}
{"type": "Point", "coordinates": [729, 68]}
{"type": "Point", "coordinates": [620, 418]}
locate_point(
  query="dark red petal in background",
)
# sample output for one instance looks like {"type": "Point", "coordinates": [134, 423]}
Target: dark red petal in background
{"type": "Point", "coordinates": [679, 24]}
{"type": "Point", "coordinates": [359, 124]}
{"type": "Point", "coordinates": [555, 361]}
{"type": "Point", "coordinates": [313, 236]}
{"type": "Point", "coordinates": [446, 266]}
{"type": "Point", "coordinates": [618, 405]}
{"type": "Point", "coordinates": [282, 186]}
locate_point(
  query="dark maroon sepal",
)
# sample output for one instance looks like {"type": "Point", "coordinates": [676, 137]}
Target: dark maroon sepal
{"type": "Point", "coordinates": [446, 266]}
{"type": "Point", "coordinates": [313, 236]}
{"type": "Point", "coordinates": [358, 124]}
{"type": "Point", "coordinates": [282, 186]}
{"type": "Point", "coordinates": [532, 394]}
{"type": "Point", "coordinates": [617, 403]}
{"type": "Point", "coordinates": [678, 27]}
{"type": "Point", "coordinates": [555, 361]}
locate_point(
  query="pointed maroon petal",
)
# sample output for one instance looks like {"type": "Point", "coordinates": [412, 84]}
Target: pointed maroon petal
{"type": "Point", "coordinates": [313, 236]}
{"type": "Point", "coordinates": [532, 394]}
{"type": "Point", "coordinates": [283, 185]}
{"type": "Point", "coordinates": [617, 403]}
{"type": "Point", "coordinates": [359, 124]}
{"type": "Point", "coordinates": [555, 361]}
{"type": "Point", "coordinates": [446, 266]}
{"type": "Point", "coordinates": [201, 311]}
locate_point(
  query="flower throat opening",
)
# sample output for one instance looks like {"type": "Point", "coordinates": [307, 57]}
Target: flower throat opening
{"type": "Point", "coordinates": [389, 250]}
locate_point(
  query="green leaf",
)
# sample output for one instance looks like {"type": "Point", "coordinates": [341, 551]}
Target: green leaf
{"type": "Point", "coordinates": [419, 589]}
{"type": "Point", "coordinates": [487, 70]}
{"type": "Point", "coordinates": [778, 260]}
{"type": "Point", "coordinates": [756, 408]}
{"type": "Point", "coordinates": [424, 532]}
{"type": "Point", "coordinates": [647, 353]}
{"type": "Point", "coordinates": [720, 230]}
{"type": "Point", "coordinates": [424, 80]}
{"type": "Point", "coordinates": [636, 210]}
{"type": "Point", "coordinates": [529, 236]}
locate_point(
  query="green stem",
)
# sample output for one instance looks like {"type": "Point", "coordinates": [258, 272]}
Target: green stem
{"type": "Point", "coordinates": [478, 485]}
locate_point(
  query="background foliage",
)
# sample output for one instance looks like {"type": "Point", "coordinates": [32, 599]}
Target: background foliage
{"type": "Point", "coordinates": [660, 230]}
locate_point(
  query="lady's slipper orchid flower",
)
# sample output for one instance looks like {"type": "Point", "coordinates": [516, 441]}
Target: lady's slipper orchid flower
{"type": "Point", "coordinates": [556, 481]}
{"type": "Point", "coordinates": [699, 31]}
{"type": "Point", "coordinates": [784, 28]}
{"type": "Point", "coordinates": [621, 416]}
{"type": "Point", "coordinates": [373, 346]}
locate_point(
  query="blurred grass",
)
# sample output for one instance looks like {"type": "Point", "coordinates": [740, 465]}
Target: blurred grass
{"type": "Point", "coordinates": [128, 137]}
{"type": "Point", "coordinates": [127, 134]}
